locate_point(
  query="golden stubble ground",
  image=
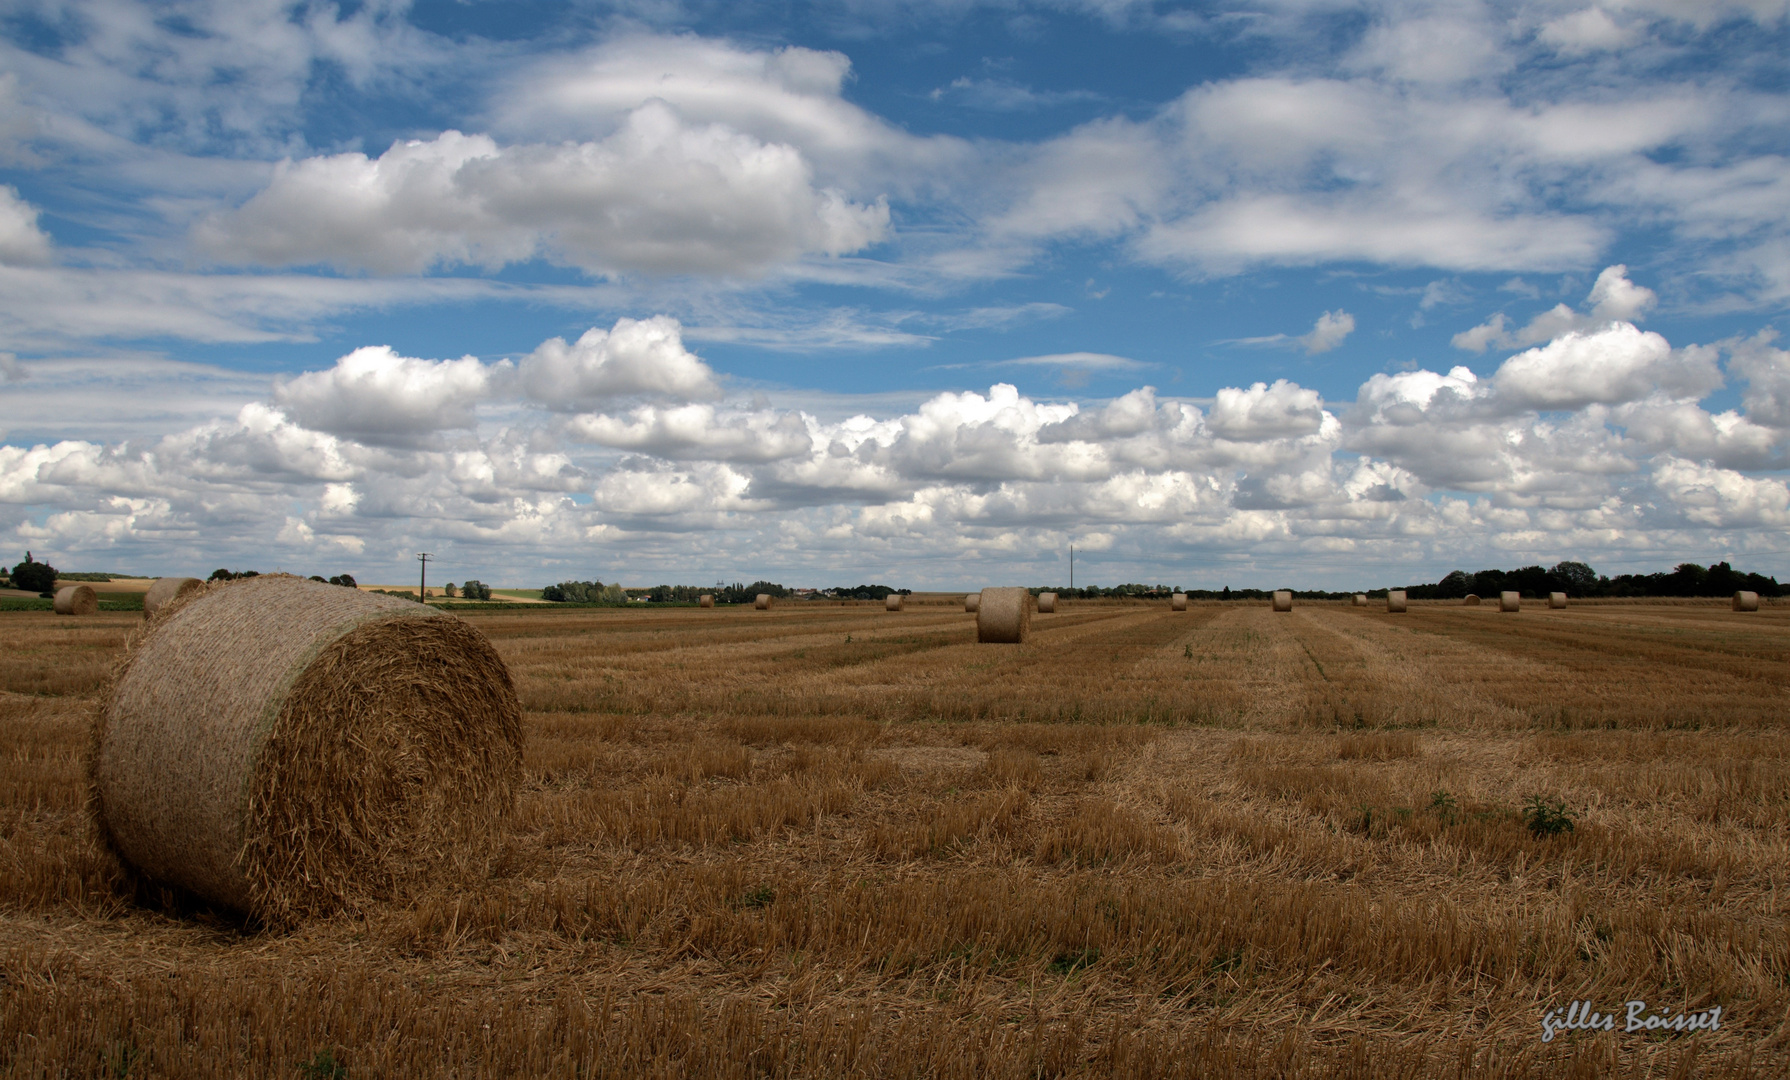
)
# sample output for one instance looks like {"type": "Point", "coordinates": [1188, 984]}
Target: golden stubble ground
{"type": "Point", "coordinates": [833, 841]}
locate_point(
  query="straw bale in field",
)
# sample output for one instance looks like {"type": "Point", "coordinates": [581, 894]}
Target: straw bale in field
{"type": "Point", "coordinates": [972, 602]}
{"type": "Point", "coordinates": [1470, 600]}
{"type": "Point", "coordinates": [705, 600]}
{"type": "Point", "coordinates": [763, 602]}
{"type": "Point", "coordinates": [166, 589]}
{"type": "Point", "coordinates": [1283, 600]}
{"type": "Point", "coordinates": [892, 602]}
{"type": "Point", "coordinates": [1395, 602]}
{"type": "Point", "coordinates": [75, 600]}
{"type": "Point", "coordinates": [1047, 603]}
{"type": "Point", "coordinates": [1004, 616]}
{"type": "Point", "coordinates": [288, 748]}
{"type": "Point", "coordinates": [1177, 601]}
{"type": "Point", "coordinates": [1556, 599]}
{"type": "Point", "coordinates": [1358, 600]}
{"type": "Point", "coordinates": [1743, 601]}
{"type": "Point", "coordinates": [1510, 601]}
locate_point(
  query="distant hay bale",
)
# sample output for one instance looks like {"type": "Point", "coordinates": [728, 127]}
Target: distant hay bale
{"type": "Point", "coordinates": [1177, 601]}
{"type": "Point", "coordinates": [1470, 600]}
{"type": "Point", "coordinates": [1556, 599]}
{"type": "Point", "coordinates": [1746, 601]}
{"type": "Point", "coordinates": [972, 602]}
{"type": "Point", "coordinates": [1047, 603]}
{"type": "Point", "coordinates": [1395, 602]}
{"type": "Point", "coordinates": [892, 602]}
{"type": "Point", "coordinates": [1358, 600]}
{"type": "Point", "coordinates": [75, 600]}
{"type": "Point", "coordinates": [763, 602]}
{"type": "Point", "coordinates": [166, 589]}
{"type": "Point", "coordinates": [1509, 601]}
{"type": "Point", "coordinates": [705, 600]}
{"type": "Point", "coordinates": [1283, 600]}
{"type": "Point", "coordinates": [1004, 616]}
{"type": "Point", "coordinates": [288, 748]}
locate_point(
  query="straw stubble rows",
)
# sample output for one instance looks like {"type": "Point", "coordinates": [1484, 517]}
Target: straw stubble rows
{"type": "Point", "coordinates": [826, 840]}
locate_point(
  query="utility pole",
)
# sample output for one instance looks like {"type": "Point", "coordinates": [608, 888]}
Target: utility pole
{"type": "Point", "coordinates": [422, 584]}
{"type": "Point", "coordinates": [1072, 566]}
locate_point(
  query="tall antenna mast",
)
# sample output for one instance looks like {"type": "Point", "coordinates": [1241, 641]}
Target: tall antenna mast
{"type": "Point", "coordinates": [422, 584]}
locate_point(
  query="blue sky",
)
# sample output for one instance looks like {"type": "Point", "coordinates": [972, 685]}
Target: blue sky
{"type": "Point", "coordinates": [1296, 292]}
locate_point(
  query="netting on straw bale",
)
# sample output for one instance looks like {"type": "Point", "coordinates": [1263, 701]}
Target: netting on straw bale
{"type": "Point", "coordinates": [892, 602]}
{"type": "Point", "coordinates": [166, 589]}
{"type": "Point", "coordinates": [1177, 601]}
{"type": "Point", "coordinates": [75, 600]}
{"type": "Point", "coordinates": [1556, 599]}
{"type": "Point", "coordinates": [1395, 602]}
{"type": "Point", "coordinates": [1283, 600]}
{"type": "Point", "coordinates": [1047, 603]}
{"type": "Point", "coordinates": [762, 602]}
{"type": "Point", "coordinates": [705, 600]}
{"type": "Point", "coordinates": [972, 602]}
{"type": "Point", "coordinates": [1004, 616]}
{"type": "Point", "coordinates": [1510, 601]}
{"type": "Point", "coordinates": [1470, 600]}
{"type": "Point", "coordinates": [1746, 601]}
{"type": "Point", "coordinates": [288, 748]}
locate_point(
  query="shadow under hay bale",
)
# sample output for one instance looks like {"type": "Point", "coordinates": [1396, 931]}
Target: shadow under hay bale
{"type": "Point", "coordinates": [166, 589]}
{"type": "Point", "coordinates": [1509, 601]}
{"type": "Point", "coordinates": [288, 749]}
{"type": "Point", "coordinates": [1177, 601]}
{"type": "Point", "coordinates": [972, 602]}
{"type": "Point", "coordinates": [1395, 602]}
{"type": "Point", "coordinates": [1283, 600]}
{"type": "Point", "coordinates": [1004, 616]}
{"type": "Point", "coordinates": [1746, 601]}
{"type": "Point", "coordinates": [75, 600]}
{"type": "Point", "coordinates": [1047, 603]}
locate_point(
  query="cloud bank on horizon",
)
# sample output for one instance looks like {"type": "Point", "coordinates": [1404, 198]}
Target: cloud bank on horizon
{"type": "Point", "coordinates": [1316, 293]}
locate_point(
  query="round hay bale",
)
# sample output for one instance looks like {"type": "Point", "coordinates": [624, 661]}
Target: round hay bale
{"type": "Point", "coordinates": [972, 602]}
{"type": "Point", "coordinates": [892, 602]}
{"type": "Point", "coordinates": [75, 600]}
{"type": "Point", "coordinates": [1470, 600]}
{"type": "Point", "coordinates": [166, 589]}
{"type": "Point", "coordinates": [1556, 599]}
{"type": "Point", "coordinates": [288, 749]}
{"type": "Point", "coordinates": [1509, 601]}
{"type": "Point", "coordinates": [1283, 600]}
{"type": "Point", "coordinates": [705, 600]}
{"type": "Point", "coordinates": [1004, 616]}
{"type": "Point", "coordinates": [763, 602]}
{"type": "Point", "coordinates": [1047, 603]}
{"type": "Point", "coordinates": [1177, 601]}
{"type": "Point", "coordinates": [1746, 601]}
{"type": "Point", "coordinates": [1395, 602]}
{"type": "Point", "coordinates": [1358, 600]}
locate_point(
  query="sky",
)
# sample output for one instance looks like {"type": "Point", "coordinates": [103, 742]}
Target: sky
{"type": "Point", "coordinates": [1261, 293]}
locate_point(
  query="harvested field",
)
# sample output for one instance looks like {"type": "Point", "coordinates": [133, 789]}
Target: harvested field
{"type": "Point", "coordinates": [816, 841]}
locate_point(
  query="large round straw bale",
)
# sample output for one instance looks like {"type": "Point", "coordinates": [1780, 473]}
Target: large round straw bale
{"type": "Point", "coordinates": [1283, 600]}
{"type": "Point", "coordinates": [1177, 601]}
{"type": "Point", "coordinates": [166, 589]}
{"type": "Point", "coordinates": [705, 600]}
{"type": "Point", "coordinates": [1470, 600]}
{"type": "Point", "coordinates": [1047, 603]}
{"type": "Point", "coordinates": [1004, 616]}
{"type": "Point", "coordinates": [287, 748]}
{"type": "Point", "coordinates": [763, 602]}
{"type": "Point", "coordinates": [1556, 599]}
{"type": "Point", "coordinates": [1395, 602]}
{"type": "Point", "coordinates": [892, 602]}
{"type": "Point", "coordinates": [1746, 601]}
{"type": "Point", "coordinates": [1510, 601]}
{"type": "Point", "coordinates": [972, 601]}
{"type": "Point", "coordinates": [1358, 600]}
{"type": "Point", "coordinates": [75, 600]}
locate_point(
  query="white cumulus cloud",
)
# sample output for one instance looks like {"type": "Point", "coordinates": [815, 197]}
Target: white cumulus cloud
{"type": "Point", "coordinates": [375, 395]}
{"type": "Point", "coordinates": [634, 357]}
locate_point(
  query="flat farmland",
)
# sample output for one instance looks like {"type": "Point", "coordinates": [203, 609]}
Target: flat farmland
{"type": "Point", "coordinates": [834, 841]}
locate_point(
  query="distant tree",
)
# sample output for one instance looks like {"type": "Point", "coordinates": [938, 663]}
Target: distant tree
{"type": "Point", "coordinates": [348, 580]}
{"type": "Point", "coordinates": [34, 576]}
{"type": "Point", "coordinates": [1574, 578]}
{"type": "Point", "coordinates": [475, 589]}
{"type": "Point", "coordinates": [320, 579]}
{"type": "Point", "coordinates": [449, 591]}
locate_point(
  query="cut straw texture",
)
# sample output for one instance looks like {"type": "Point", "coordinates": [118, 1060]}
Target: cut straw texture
{"type": "Point", "coordinates": [892, 602]}
{"type": "Point", "coordinates": [75, 600]}
{"type": "Point", "coordinates": [1510, 601]}
{"type": "Point", "coordinates": [762, 602]}
{"type": "Point", "coordinates": [289, 749]}
{"type": "Point", "coordinates": [1283, 600]}
{"type": "Point", "coordinates": [1177, 601]}
{"type": "Point", "coordinates": [166, 589]}
{"type": "Point", "coordinates": [705, 600]}
{"type": "Point", "coordinates": [1556, 599]}
{"type": "Point", "coordinates": [1004, 616]}
{"type": "Point", "coordinates": [1047, 603]}
{"type": "Point", "coordinates": [1746, 601]}
{"type": "Point", "coordinates": [972, 602]}
{"type": "Point", "coordinates": [1395, 602]}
